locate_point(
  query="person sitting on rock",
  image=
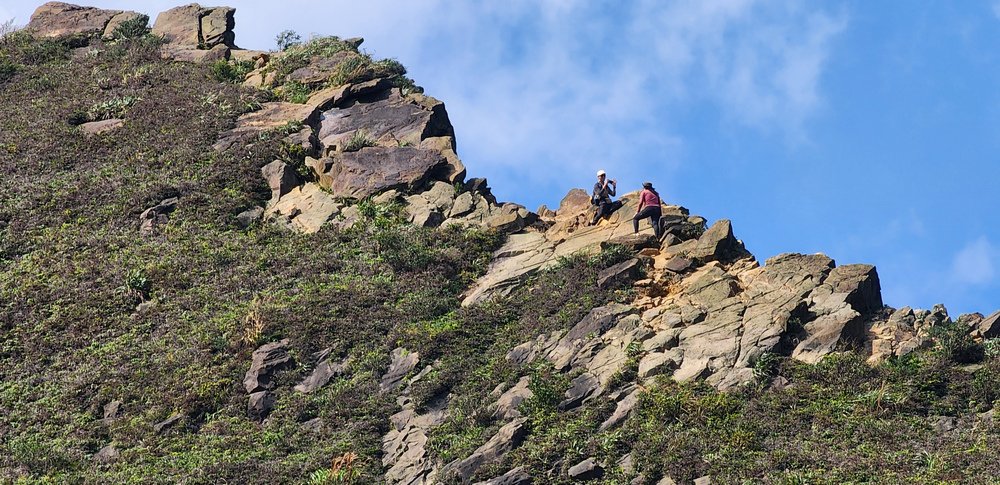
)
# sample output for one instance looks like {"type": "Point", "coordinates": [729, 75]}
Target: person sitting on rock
{"type": "Point", "coordinates": [649, 206]}
{"type": "Point", "coordinates": [604, 190]}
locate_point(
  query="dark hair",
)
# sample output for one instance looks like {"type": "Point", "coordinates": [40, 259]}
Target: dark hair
{"type": "Point", "coordinates": [649, 186]}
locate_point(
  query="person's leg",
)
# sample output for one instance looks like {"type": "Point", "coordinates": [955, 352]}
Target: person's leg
{"type": "Point", "coordinates": [654, 219]}
{"type": "Point", "coordinates": [599, 213]}
{"type": "Point", "coordinates": [644, 213]}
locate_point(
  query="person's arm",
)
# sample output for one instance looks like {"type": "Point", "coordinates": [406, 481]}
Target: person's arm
{"type": "Point", "coordinates": [612, 185]}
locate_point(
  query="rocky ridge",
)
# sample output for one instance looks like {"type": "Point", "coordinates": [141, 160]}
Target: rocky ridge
{"type": "Point", "coordinates": [705, 307]}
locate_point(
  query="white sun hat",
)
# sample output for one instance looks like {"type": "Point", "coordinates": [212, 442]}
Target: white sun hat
{"type": "Point", "coordinates": [600, 172]}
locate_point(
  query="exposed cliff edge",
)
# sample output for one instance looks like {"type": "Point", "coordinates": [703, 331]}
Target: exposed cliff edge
{"type": "Point", "coordinates": [582, 326]}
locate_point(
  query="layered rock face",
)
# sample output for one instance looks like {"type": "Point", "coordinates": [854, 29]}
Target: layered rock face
{"type": "Point", "coordinates": [58, 19]}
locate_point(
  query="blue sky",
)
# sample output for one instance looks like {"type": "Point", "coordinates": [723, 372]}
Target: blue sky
{"type": "Point", "coordinates": [869, 131]}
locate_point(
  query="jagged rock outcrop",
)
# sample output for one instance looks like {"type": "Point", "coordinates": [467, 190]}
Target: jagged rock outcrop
{"type": "Point", "coordinates": [324, 371]}
{"type": "Point", "coordinates": [525, 253]}
{"type": "Point", "coordinates": [270, 117]}
{"type": "Point", "coordinates": [386, 117]}
{"type": "Point", "coordinates": [197, 34]}
{"type": "Point", "coordinates": [267, 360]}
{"type": "Point", "coordinates": [507, 438]}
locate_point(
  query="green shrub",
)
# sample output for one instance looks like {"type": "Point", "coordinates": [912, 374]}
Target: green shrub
{"type": "Point", "coordinates": [953, 342]}
{"type": "Point", "coordinates": [991, 348]}
{"type": "Point", "coordinates": [132, 28]}
{"type": "Point", "coordinates": [766, 367]}
{"type": "Point", "coordinates": [359, 140]}
{"type": "Point", "coordinates": [232, 72]}
{"type": "Point", "coordinates": [24, 49]}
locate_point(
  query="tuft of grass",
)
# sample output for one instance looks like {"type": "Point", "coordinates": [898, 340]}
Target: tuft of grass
{"type": "Point", "coordinates": [299, 55]}
{"type": "Point", "coordinates": [359, 140]}
{"type": "Point", "coordinates": [295, 92]}
{"type": "Point", "coordinates": [112, 108]}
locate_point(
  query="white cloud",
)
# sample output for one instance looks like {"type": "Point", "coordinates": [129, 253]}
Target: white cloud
{"type": "Point", "coordinates": [974, 263]}
{"type": "Point", "coordinates": [548, 91]}
{"type": "Point", "coordinates": [543, 90]}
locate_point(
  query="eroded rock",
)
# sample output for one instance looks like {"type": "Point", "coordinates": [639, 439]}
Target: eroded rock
{"type": "Point", "coordinates": [59, 19]}
{"type": "Point", "coordinates": [156, 216]}
{"type": "Point", "coordinates": [266, 361]}
{"type": "Point", "coordinates": [103, 126]}
{"type": "Point", "coordinates": [403, 362]}
{"type": "Point", "coordinates": [588, 469]}
{"type": "Point", "coordinates": [507, 438]}
{"type": "Point", "coordinates": [370, 171]}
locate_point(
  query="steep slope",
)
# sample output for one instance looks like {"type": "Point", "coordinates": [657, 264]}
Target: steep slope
{"type": "Point", "coordinates": [220, 265]}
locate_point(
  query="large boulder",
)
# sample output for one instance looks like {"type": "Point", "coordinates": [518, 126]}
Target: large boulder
{"type": "Point", "coordinates": [280, 177]}
{"type": "Point", "coordinates": [338, 96]}
{"type": "Point", "coordinates": [626, 270]}
{"type": "Point", "coordinates": [718, 244]}
{"type": "Point", "coordinates": [388, 118]}
{"type": "Point", "coordinates": [180, 25]}
{"type": "Point", "coordinates": [217, 26]}
{"type": "Point", "coordinates": [196, 26]}
{"type": "Point", "coordinates": [989, 327]}
{"type": "Point", "coordinates": [370, 171]}
{"type": "Point", "coordinates": [861, 284]}
{"type": "Point", "coordinates": [776, 294]}
{"type": "Point", "coordinates": [575, 203]}
{"type": "Point", "coordinates": [826, 332]}
{"type": "Point", "coordinates": [58, 19]}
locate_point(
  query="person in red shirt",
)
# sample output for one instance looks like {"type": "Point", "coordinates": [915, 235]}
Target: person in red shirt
{"type": "Point", "coordinates": [649, 206]}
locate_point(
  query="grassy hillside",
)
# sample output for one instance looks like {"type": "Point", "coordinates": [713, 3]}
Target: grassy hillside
{"type": "Point", "coordinates": [91, 312]}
